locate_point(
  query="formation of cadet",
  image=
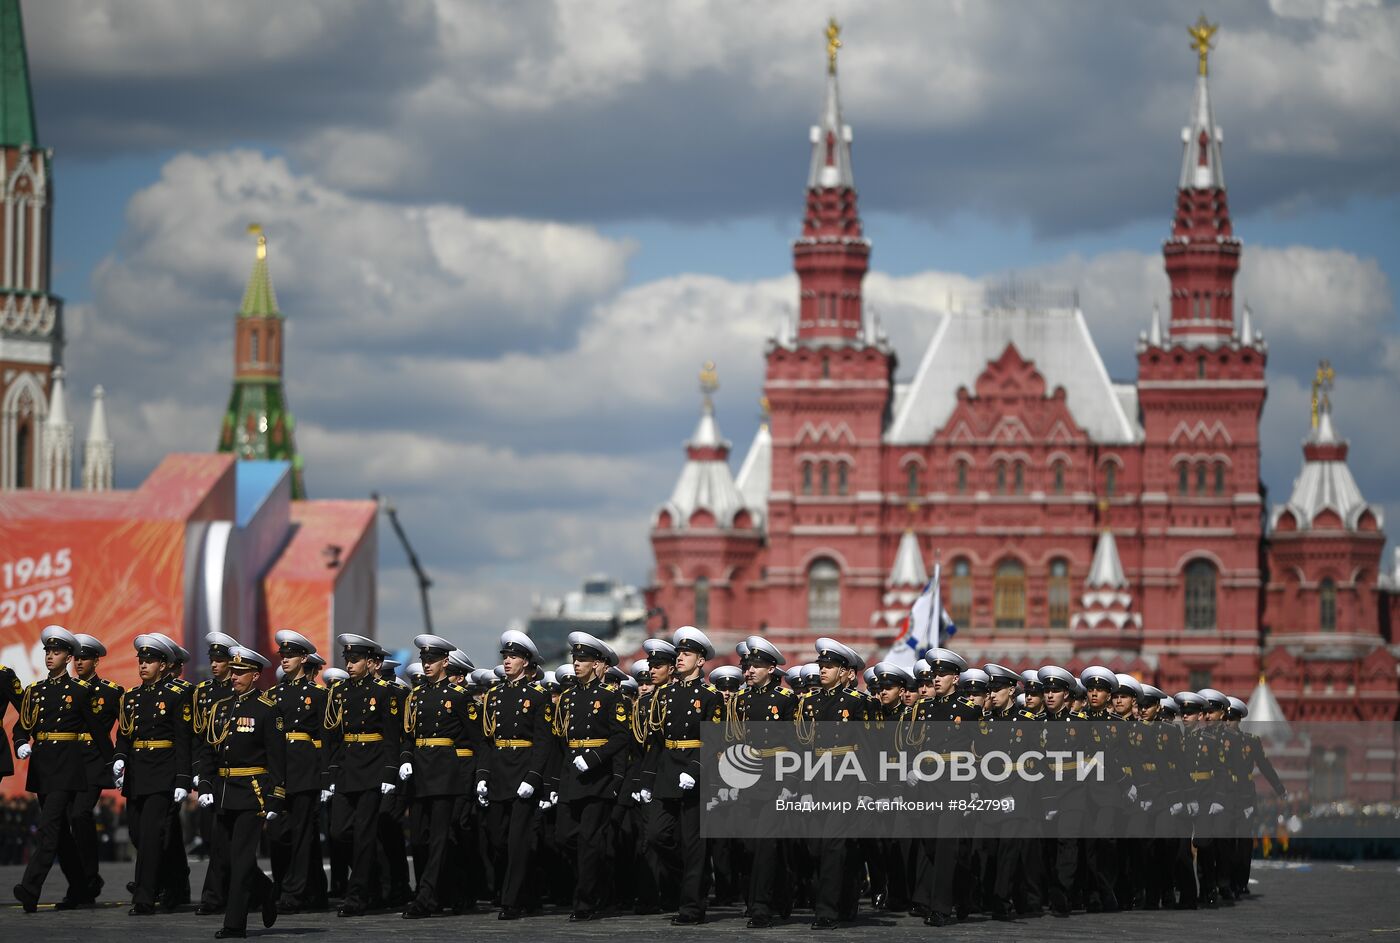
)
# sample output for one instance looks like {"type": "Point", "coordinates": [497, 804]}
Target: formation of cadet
{"type": "Point", "coordinates": [579, 786]}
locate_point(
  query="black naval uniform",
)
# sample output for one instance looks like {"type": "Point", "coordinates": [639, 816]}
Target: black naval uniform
{"type": "Point", "coordinates": [12, 695]}
{"type": "Point", "coordinates": [77, 847]}
{"type": "Point", "coordinates": [594, 722]}
{"type": "Point", "coordinates": [945, 726]}
{"type": "Point", "coordinates": [296, 858]}
{"type": "Point", "coordinates": [393, 856]}
{"type": "Point", "coordinates": [1250, 755]}
{"type": "Point", "coordinates": [364, 727]}
{"type": "Point", "coordinates": [442, 728]}
{"type": "Point", "coordinates": [1068, 799]}
{"type": "Point", "coordinates": [204, 776]}
{"type": "Point", "coordinates": [769, 887]}
{"type": "Point", "coordinates": [251, 750]}
{"type": "Point", "coordinates": [153, 740]}
{"type": "Point", "coordinates": [833, 895]}
{"type": "Point", "coordinates": [519, 724]}
{"type": "Point", "coordinates": [175, 865]}
{"type": "Point", "coordinates": [674, 828]}
{"type": "Point", "coordinates": [56, 718]}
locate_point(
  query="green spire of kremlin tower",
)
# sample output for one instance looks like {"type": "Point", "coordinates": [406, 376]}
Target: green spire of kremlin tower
{"type": "Point", "coordinates": [16, 102]}
{"type": "Point", "coordinates": [258, 423]}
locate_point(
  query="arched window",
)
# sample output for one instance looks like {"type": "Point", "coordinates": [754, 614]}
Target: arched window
{"type": "Point", "coordinates": [1219, 479]}
{"type": "Point", "coordinates": [1183, 479]}
{"type": "Point", "coordinates": [1200, 594]}
{"type": "Point", "coordinates": [960, 599]}
{"type": "Point", "coordinates": [1018, 478]}
{"type": "Point", "coordinates": [1327, 606]}
{"type": "Point", "coordinates": [824, 595]}
{"type": "Point", "coordinates": [1110, 480]}
{"type": "Point", "coordinates": [702, 602]}
{"type": "Point", "coordinates": [1058, 594]}
{"type": "Point", "coordinates": [1010, 595]}
{"type": "Point", "coordinates": [806, 477]}
{"type": "Point", "coordinates": [253, 343]}
{"type": "Point", "coordinates": [1058, 472]}
{"type": "Point", "coordinates": [911, 480]}
{"type": "Point", "coordinates": [962, 477]}
{"type": "Point", "coordinates": [826, 367]}
{"type": "Point", "coordinates": [22, 456]}
{"type": "Point", "coordinates": [1001, 478]}
{"type": "Point", "coordinates": [1201, 478]}
{"type": "Point", "coordinates": [825, 478]}
{"type": "Point", "coordinates": [1200, 368]}
{"type": "Point", "coordinates": [841, 474]}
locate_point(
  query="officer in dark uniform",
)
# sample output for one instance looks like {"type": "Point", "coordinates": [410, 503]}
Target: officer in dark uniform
{"type": "Point", "coordinates": [175, 866]}
{"type": "Point", "coordinates": [392, 861]}
{"type": "Point", "coordinates": [593, 724]}
{"type": "Point", "coordinates": [247, 733]}
{"type": "Point", "coordinates": [460, 885]}
{"type": "Point", "coordinates": [151, 763]}
{"type": "Point", "coordinates": [203, 769]}
{"type": "Point", "coordinates": [1251, 756]}
{"type": "Point", "coordinates": [1063, 799]}
{"type": "Point", "coordinates": [56, 725]}
{"type": "Point", "coordinates": [296, 835]}
{"type": "Point", "coordinates": [646, 722]}
{"type": "Point", "coordinates": [338, 852]}
{"type": "Point", "coordinates": [887, 858]}
{"type": "Point", "coordinates": [440, 723]}
{"type": "Point", "coordinates": [77, 848]}
{"type": "Point", "coordinates": [1133, 752]}
{"type": "Point", "coordinates": [1159, 790]}
{"type": "Point", "coordinates": [1211, 752]}
{"type": "Point", "coordinates": [671, 772]}
{"type": "Point", "coordinates": [363, 729]}
{"type": "Point", "coordinates": [1101, 850]}
{"type": "Point", "coordinates": [518, 721]}
{"type": "Point", "coordinates": [764, 700]}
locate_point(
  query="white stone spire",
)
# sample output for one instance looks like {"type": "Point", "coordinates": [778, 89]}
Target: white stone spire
{"type": "Point", "coordinates": [1247, 328]}
{"type": "Point", "coordinates": [1106, 602]}
{"type": "Point", "coordinates": [831, 140]}
{"type": "Point", "coordinates": [705, 484]}
{"type": "Point", "coordinates": [908, 569]}
{"type": "Point", "coordinates": [755, 476]}
{"type": "Point", "coordinates": [56, 471]}
{"type": "Point", "coordinates": [1201, 168]}
{"type": "Point", "coordinates": [1154, 331]}
{"type": "Point", "coordinates": [98, 451]}
{"type": "Point", "coordinates": [1266, 717]}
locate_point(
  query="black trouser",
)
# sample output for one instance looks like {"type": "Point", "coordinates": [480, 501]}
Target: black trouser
{"type": "Point", "coordinates": [829, 877]}
{"type": "Point", "coordinates": [434, 820]}
{"type": "Point", "coordinates": [582, 831]}
{"type": "Point", "coordinates": [391, 845]}
{"type": "Point", "coordinates": [510, 836]}
{"type": "Point", "coordinates": [146, 818]}
{"type": "Point", "coordinates": [55, 809]}
{"type": "Point", "coordinates": [214, 894]}
{"type": "Point", "coordinates": [174, 865]}
{"type": "Point", "coordinates": [295, 845]}
{"type": "Point", "coordinates": [942, 855]}
{"type": "Point", "coordinates": [769, 887]}
{"type": "Point", "coordinates": [248, 887]}
{"type": "Point", "coordinates": [674, 831]}
{"type": "Point", "coordinates": [77, 848]}
{"type": "Point", "coordinates": [355, 821]}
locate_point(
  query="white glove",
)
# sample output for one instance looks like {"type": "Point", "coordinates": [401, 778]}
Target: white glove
{"type": "Point", "coordinates": [386, 788]}
{"type": "Point", "coordinates": [545, 805]}
{"type": "Point", "coordinates": [118, 769]}
{"type": "Point", "coordinates": [1216, 808]}
{"type": "Point", "coordinates": [271, 816]}
{"type": "Point", "coordinates": [553, 797]}
{"type": "Point", "coordinates": [687, 781]}
{"type": "Point", "coordinates": [1193, 808]}
{"type": "Point", "coordinates": [1132, 793]}
{"type": "Point", "coordinates": [646, 796]}
{"type": "Point", "coordinates": [1146, 805]}
{"type": "Point", "coordinates": [206, 799]}
{"type": "Point", "coordinates": [405, 771]}
{"type": "Point", "coordinates": [23, 751]}
{"type": "Point", "coordinates": [1050, 815]}
{"type": "Point", "coordinates": [1175, 809]}
{"type": "Point", "coordinates": [580, 764]}
{"type": "Point", "coordinates": [181, 795]}
{"type": "Point", "coordinates": [637, 797]}
{"type": "Point", "coordinates": [481, 794]}
{"type": "Point", "coordinates": [326, 795]}
{"type": "Point", "coordinates": [525, 791]}
{"type": "Point", "coordinates": [1248, 811]}
{"type": "Point", "coordinates": [194, 782]}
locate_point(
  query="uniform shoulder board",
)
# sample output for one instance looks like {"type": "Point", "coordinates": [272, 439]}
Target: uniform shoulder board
{"type": "Point", "coordinates": [785, 692]}
{"type": "Point", "coordinates": [855, 694]}
{"type": "Point", "coordinates": [82, 683]}
{"type": "Point", "coordinates": [537, 687]}
{"type": "Point", "coordinates": [968, 702]}
{"type": "Point", "coordinates": [381, 682]}
{"type": "Point", "coordinates": [607, 686]}
{"type": "Point", "coordinates": [268, 698]}
{"type": "Point", "coordinates": [1025, 714]}
{"type": "Point", "coordinates": [203, 684]}
{"type": "Point", "coordinates": [711, 688]}
{"type": "Point", "coordinates": [319, 686]}
{"type": "Point", "coordinates": [456, 688]}
{"type": "Point", "coordinates": [1079, 715]}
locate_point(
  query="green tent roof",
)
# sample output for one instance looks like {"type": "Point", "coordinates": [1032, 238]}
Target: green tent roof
{"type": "Point", "coordinates": [16, 102]}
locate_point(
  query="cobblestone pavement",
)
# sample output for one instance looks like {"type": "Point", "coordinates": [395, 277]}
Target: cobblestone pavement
{"type": "Point", "coordinates": [1322, 901]}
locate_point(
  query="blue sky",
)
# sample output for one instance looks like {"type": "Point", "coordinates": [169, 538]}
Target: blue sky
{"type": "Point", "coordinates": [506, 235]}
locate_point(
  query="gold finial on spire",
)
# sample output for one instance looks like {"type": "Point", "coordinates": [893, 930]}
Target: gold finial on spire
{"type": "Point", "coordinates": [256, 230]}
{"type": "Point", "coordinates": [709, 380]}
{"type": "Point", "coordinates": [833, 43]}
{"type": "Point", "coordinates": [765, 410]}
{"type": "Point", "coordinates": [1202, 33]}
{"type": "Point", "coordinates": [1321, 389]}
